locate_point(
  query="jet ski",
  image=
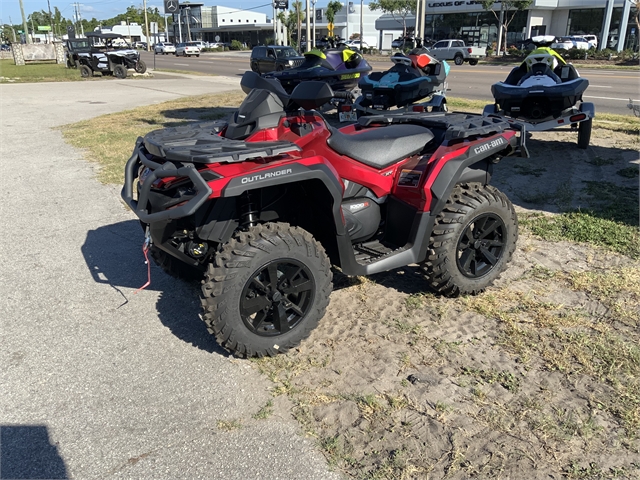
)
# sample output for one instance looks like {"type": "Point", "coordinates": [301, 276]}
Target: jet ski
{"type": "Point", "coordinates": [412, 78]}
{"type": "Point", "coordinates": [544, 86]}
{"type": "Point", "coordinates": [340, 67]}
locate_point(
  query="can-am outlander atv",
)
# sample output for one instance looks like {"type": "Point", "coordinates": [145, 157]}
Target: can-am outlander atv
{"type": "Point", "coordinates": [260, 207]}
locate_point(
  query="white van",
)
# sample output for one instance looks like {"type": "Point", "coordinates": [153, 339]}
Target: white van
{"type": "Point", "coordinates": [592, 39]}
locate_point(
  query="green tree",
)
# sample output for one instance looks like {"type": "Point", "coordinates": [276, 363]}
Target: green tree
{"type": "Point", "coordinates": [292, 21]}
{"type": "Point", "coordinates": [508, 8]}
{"type": "Point", "coordinates": [398, 9]}
{"type": "Point", "coordinates": [333, 7]}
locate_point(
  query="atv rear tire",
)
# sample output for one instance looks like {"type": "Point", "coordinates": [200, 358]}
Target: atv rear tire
{"type": "Point", "coordinates": [472, 242]}
{"type": "Point", "coordinates": [141, 67]}
{"type": "Point", "coordinates": [458, 59]}
{"type": "Point", "coordinates": [85, 71]}
{"type": "Point", "coordinates": [584, 133]}
{"type": "Point", "coordinates": [175, 267]}
{"type": "Point", "coordinates": [266, 289]}
{"type": "Point", "coordinates": [120, 72]}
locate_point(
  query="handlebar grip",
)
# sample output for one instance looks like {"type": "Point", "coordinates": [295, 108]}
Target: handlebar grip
{"type": "Point", "coordinates": [345, 95]}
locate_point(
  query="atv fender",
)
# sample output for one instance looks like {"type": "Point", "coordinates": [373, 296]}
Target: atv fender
{"type": "Point", "coordinates": [463, 169]}
{"type": "Point", "coordinates": [292, 173]}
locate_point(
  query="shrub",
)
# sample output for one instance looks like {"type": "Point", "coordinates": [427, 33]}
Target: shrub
{"type": "Point", "coordinates": [235, 45]}
{"type": "Point", "coordinates": [489, 52]}
{"type": "Point", "coordinates": [576, 54]}
{"type": "Point", "coordinates": [515, 52]}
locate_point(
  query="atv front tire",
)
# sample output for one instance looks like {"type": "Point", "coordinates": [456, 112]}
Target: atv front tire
{"type": "Point", "coordinates": [472, 242]}
{"type": "Point", "coordinates": [266, 289]}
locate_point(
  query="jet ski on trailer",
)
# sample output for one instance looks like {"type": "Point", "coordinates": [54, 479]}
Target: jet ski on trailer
{"type": "Point", "coordinates": [412, 78]}
{"type": "Point", "coordinates": [544, 93]}
{"type": "Point", "coordinates": [340, 67]}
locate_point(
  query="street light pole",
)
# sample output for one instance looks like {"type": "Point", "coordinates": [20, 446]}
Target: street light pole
{"type": "Point", "coordinates": [146, 25]}
{"type": "Point", "coordinates": [361, 24]}
{"type": "Point", "coordinates": [307, 29]}
{"type": "Point", "coordinates": [314, 23]}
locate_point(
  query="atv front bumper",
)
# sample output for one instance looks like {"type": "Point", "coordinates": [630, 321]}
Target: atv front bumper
{"type": "Point", "coordinates": [167, 169]}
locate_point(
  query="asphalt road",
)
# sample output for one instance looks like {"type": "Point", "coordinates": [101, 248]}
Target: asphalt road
{"type": "Point", "coordinates": [609, 90]}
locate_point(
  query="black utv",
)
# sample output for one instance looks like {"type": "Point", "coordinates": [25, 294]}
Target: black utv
{"type": "Point", "coordinates": [107, 53]}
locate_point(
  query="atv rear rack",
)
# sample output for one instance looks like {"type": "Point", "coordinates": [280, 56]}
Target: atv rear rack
{"type": "Point", "coordinates": [457, 125]}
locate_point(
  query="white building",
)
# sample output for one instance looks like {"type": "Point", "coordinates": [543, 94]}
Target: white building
{"type": "Point", "coordinates": [467, 19]}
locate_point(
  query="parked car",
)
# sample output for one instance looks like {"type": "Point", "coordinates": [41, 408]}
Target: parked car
{"type": "Point", "coordinates": [457, 51]}
{"type": "Point", "coordinates": [187, 49]}
{"type": "Point", "coordinates": [527, 45]}
{"type": "Point", "coordinates": [357, 44]}
{"type": "Point", "coordinates": [403, 42]}
{"type": "Point", "coordinates": [142, 45]}
{"type": "Point", "coordinates": [200, 44]}
{"type": "Point", "coordinates": [102, 52]}
{"type": "Point", "coordinates": [271, 57]}
{"type": "Point", "coordinates": [164, 48]}
{"type": "Point", "coordinates": [567, 43]}
{"type": "Point", "coordinates": [592, 39]}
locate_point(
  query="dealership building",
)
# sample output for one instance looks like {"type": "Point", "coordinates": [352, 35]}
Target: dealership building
{"type": "Point", "coordinates": [467, 19]}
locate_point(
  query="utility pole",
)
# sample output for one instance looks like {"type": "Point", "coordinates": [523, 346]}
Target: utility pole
{"type": "Point", "coordinates": [298, 7]}
{"type": "Point", "coordinates": [307, 31]}
{"type": "Point", "coordinates": [146, 26]}
{"type": "Point", "coordinates": [361, 24]}
{"type": "Point", "coordinates": [15, 40]}
{"type": "Point", "coordinates": [314, 23]}
{"type": "Point", "coordinates": [53, 32]}
{"type": "Point", "coordinates": [188, 23]}
{"type": "Point", "coordinates": [273, 20]}
{"type": "Point", "coordinates": [24, 23]}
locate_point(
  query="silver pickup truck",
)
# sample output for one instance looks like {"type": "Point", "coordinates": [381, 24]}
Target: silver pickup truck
{"type": "Point", "coordinates": [457, 51]}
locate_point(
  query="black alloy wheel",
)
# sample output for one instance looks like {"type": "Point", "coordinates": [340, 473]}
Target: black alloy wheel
{"type": "Point", "coordinates": [141, 67]}
{"type": "Point", "coordinates": [458, 59]}
{"type": "Point", "coordinates": [472, 241]}
{"type": "Point", "coordinates": [277, 297]}
{"type": "Point", "coordinates": [481, 245]}
{"type": "Point", "coordinates": [266, 289]}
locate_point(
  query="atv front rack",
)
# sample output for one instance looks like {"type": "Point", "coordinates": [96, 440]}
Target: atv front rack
{"type": "Point", "coordinates": [202, 143]}
{"type": "Point", "coordinates": [183, 147]}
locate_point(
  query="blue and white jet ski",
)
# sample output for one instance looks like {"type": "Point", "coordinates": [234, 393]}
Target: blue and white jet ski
{"type": "Point", "coordinates": [543, 87]}
{"type": "Point", "coordinates": [413, 78]}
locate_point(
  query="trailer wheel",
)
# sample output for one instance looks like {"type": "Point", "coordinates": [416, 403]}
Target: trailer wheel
{"type": "Point", "coordinates": [266, 289]}
{"type": "Point", "coordinates": [458, 59]}
{"type": "Point", "coordinates": [86, 72]}
{"type": "Point", "coordinates": [584, 133]}
{"type": "Point", "coordinates": [119, 71]}
{"type": "Point", "coordinates": [472, 241]}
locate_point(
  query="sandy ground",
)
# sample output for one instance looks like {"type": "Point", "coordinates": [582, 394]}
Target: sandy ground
{"type": "Point", "coordinates": [535, 378]}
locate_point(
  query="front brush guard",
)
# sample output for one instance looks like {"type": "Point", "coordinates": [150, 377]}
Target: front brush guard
{"type": "Point", "coordinates": [168, 169]}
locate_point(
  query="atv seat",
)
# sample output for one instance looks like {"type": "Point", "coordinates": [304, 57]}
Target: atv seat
{"type": "Point", "coordinates": [381, 147]}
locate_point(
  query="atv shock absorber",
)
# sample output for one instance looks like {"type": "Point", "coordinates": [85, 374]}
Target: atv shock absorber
{"type": "Point", "coordinates": [248, 212]}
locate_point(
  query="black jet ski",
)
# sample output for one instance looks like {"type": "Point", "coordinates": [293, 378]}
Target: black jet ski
{"type": "Point", "coordinates": [413, 77]}
{"type": "Point", "coordinates": [340, 67]}
{"type": "Point", "coordinates": [542, 87]}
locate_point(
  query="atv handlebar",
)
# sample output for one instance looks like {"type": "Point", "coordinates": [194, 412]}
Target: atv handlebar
{"type": "Point", "coordinates": [167, 169]}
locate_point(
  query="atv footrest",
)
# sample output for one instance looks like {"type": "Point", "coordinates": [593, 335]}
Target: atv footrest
{"type": "Point", "coordinates": [370, 251]}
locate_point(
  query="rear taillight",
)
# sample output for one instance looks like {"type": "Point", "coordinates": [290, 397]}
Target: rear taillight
{"type": "Point", "coordinates": [469, 50]}
{"type": "Point", "coordinates": [418, 108]}
{"type": "Point", "coordinates": [345, 108]}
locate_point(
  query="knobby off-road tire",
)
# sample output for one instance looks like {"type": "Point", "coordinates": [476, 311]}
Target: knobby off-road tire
{"type": "Point", "coordinates": [584, 133]}
{"type": "Point", "coordinates": [120, 71]}
{"type": "Point", "coordinates": [175, 267]}
{"type": "Point", "coordinates": [266, 289]}
{"type": "Point", "coordinates": [472, 242]}
{"type": "Point", "coordinates": [86, 72]}
{"type": "Point", "coordinates": [141, 67]}
{"type": "Point", "coordinates": [458, 59]}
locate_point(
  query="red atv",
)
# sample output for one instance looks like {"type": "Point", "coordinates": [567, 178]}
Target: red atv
{"type": "Point", "coordinates": [260, 208]}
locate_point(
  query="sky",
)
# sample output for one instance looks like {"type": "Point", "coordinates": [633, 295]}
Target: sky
{"type": "Point", "coordinates": [103, 9]}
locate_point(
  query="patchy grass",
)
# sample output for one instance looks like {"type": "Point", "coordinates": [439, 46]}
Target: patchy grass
{"type": "Point", "coordinates": [38, 72]}
{"type": "Point", "coordinates": [109, 139]}
{"type": "Point", "coordinates": [265, 411]}
{"type": "Point", "coordinates": [228, 425]}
